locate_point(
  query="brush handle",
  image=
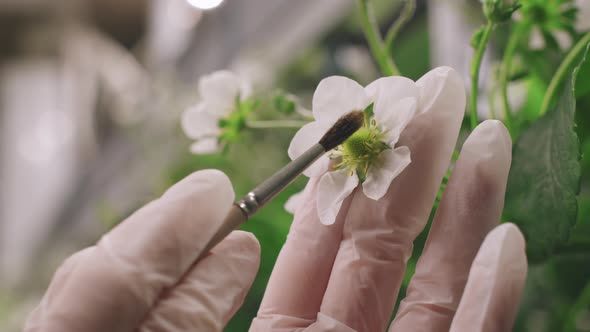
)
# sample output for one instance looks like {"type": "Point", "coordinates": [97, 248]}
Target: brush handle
{"type": "Point", "coordinates": [268, 189]}
{"type": "Point", "coordinates": [235, 217]}
{"type": "Point", "coordinates": [259, 196]}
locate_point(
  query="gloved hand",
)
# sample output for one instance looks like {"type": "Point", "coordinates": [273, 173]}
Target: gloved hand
{"type": "Point", "coordinates": [343, 277]}
{"type": "Point", "coordinates": [346, 276]}
{"type": "Point", "coordinates": [142, 275]}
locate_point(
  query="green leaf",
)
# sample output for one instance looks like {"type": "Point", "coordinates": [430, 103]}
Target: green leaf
{"type": "Point", "coordinates": [544, 180]}
{"type": "Point", "coordinates": [583, 80]}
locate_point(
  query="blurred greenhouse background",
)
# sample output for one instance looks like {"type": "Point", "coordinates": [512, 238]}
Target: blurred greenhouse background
{"type": "Point", "coordinates": [91, 92]}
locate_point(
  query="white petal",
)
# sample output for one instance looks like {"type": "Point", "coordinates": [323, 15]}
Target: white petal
{"type": "Point", "coordinates": [564, 39]}
{"type": "Point", "coordinates": [197, 122]}
{"type": "Point", "coordinates": [307, 136]}
{"type": "Point", "coordinates": [336, 96]}
{"type": "Point", "coordinates": [333, 188]}
{"type": "Point", "coordinates": [391, 89]}
{"type": "Point", "coordinates": [389, 165]}
{"type": "Point", "coordinates": [441, 88]}
{"type": "Point", "coordinates": [245, 89]}
{"type": "Point", "coordinates": [536, 41]}
{"type": "Point", "coordinates": [393, 122]}
{"type": "Point", "coordinates": [583, 21]}
{"type": "Point", "coordinates": [205, 146]}
{"type": "Point", "coordinates": [394, 103]}
{"type": "Point", "coordinates": [220, 91]}
{"type": "Point", "coordinates": [293, 202]}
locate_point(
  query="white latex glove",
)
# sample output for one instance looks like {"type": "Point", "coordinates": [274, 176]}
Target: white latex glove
{"type": "Point", "coordinates": [142, 275]}
{"type": "Point", "coordinates": [346, 276]}
{"type": "Point", "coordinates": [343, 277]}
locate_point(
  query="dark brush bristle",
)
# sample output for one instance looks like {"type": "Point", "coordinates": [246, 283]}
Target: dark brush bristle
{"type": "Point", "coordinates": [342, 129]}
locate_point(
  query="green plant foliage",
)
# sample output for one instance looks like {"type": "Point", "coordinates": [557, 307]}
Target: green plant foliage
{"type": "Point", "coordinates": [476, 37]}
{"type": "Point", "coordinates": [551, 294]}
{"type": "Point", "coordinates": [499, 10]}
{"type": "Point", "coordinates": [549, 17]}
{"type": "Point", "coordinates": [282, 103]}
{"type": "Point", "coordinates": [583, 79]}
{"type": "Point", "coordinates": [545, 177]}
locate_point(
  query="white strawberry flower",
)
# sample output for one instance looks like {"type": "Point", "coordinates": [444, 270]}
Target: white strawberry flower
{"type": "Point", "coordinates": [222, 94]}
{"type": "Point", "coordinates": [370, 157]}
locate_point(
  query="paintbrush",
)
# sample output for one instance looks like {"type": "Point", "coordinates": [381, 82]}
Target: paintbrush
{"type": "Point", "coordinates": [344, 127]}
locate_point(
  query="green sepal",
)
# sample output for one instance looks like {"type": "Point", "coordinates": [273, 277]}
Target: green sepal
{"type": "Point", "coordinates": [284, 104]}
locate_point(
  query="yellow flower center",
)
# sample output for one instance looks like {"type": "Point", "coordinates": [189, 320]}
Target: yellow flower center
{"type": "Point", "coordinates": [361, 150]}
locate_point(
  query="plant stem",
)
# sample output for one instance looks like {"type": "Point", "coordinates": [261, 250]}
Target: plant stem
{"type": "Point", "coordinates": [582, 302]}
{"type": "Point", "coordinates": [563, 70]}
{"type": "Point", "coordinates": [304, 112]}
{"type": "Point", "coordinates": [374, 39]}
{"type": "Point", "coordinates": [475, 64]}
{"type": "Point", "coordinates": [492, 100]}
{"type": "Point", "coordinates": [505, 72]}
{"type": "Point", "coordinates": [404, 17]}
{"type": "Point", "coordinates": [276, 124]}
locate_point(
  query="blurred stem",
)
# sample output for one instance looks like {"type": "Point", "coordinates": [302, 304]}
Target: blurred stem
{"type": "Point", "coordinates": [582, 303]}
{"type": "Point", "coordinates": [374, 39]}
{"type": "Point", "coordinates": [304, 112]}
{"type": "Point", "coordinates": [275, 124]}
{"type": "Point", "coordinates": [564, 69]}
{"type": "Point", "coordinates": [405, 15]}
{"type": "Point", "coordinates": [496, 88]}
{"type": "Point", "coordinates": [475, 64]}
{"type": "Point", "coordinates": [505, 72]}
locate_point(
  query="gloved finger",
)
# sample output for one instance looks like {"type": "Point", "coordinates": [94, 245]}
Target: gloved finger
{"type": "Point", "coordinates": [496, 281]}
{"type": "Point", "coordinates": [211, 291]}
{"type": "Point", "coordinates": [378, 235]}
{"type": "Point", "coordinates": [471, 206]}
{"type": "Point", "coordinates": [117, 282]}
{"type": "Point", "coordinates": [296, 287]}
{"type": "Point", "coordinates": [36, 321]}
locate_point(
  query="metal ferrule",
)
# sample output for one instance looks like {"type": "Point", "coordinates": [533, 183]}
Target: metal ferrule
{"type": "Point", "coordinates": [268, 189]}
{"type": "Point", "coordinates": [249, 204]}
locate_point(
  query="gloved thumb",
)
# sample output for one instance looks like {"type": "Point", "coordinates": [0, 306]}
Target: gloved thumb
{"type": "Point", "coordinates": [115, 285]}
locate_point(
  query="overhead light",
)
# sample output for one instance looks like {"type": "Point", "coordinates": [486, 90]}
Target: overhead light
{"type": "Point", "coordinates": [205, 4]}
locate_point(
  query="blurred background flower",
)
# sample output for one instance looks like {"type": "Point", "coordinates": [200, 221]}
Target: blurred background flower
{"type": "Point", "coordinates": [221, 112]}
{"type": "Point", "coordinates": [551, 22]}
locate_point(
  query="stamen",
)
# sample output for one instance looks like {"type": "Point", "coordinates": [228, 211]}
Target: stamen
{"type": "Point", "coordinates": [361, 150]}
